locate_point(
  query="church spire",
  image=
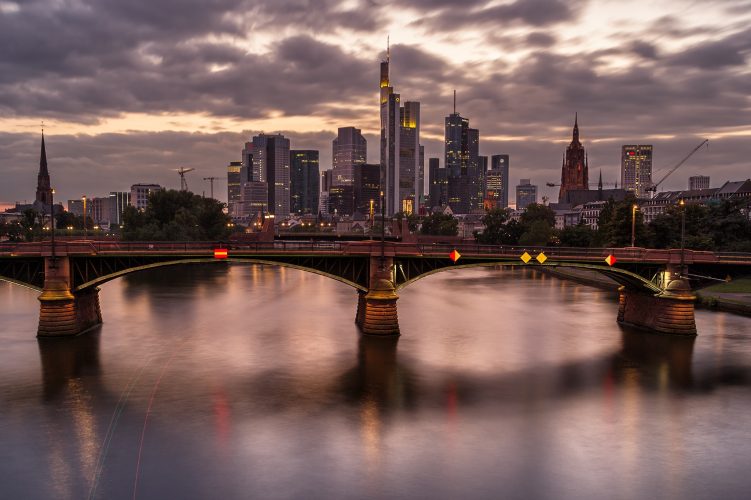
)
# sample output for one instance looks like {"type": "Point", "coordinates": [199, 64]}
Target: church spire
{"type": "Point", "coordinates": [44, 191]}
{"type": "Point", "coordinates": [576, 127]}
{"type": "Point", "coordinates": [43, 160]}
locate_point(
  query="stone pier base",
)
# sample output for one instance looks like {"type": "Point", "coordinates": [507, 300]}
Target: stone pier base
{"type": "Point", "coordinates": [65, 314]}
{"type": "Point", "coordinates": [671, 311]}
{"type": "Point", "coordinates": [376, 310]}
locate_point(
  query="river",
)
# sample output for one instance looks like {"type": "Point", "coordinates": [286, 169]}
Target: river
{"type": "Point", "coordinates": [249, 381]}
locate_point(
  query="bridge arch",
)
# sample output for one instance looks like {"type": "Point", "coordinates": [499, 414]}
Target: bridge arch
{"type": "Point", "coordinates": [99, 280]}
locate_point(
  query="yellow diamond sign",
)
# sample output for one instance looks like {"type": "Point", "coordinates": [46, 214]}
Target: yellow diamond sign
{"type": "Point", "coordinates": [525, 257]}
{"type": "Point", "coordinates": [541, 258]}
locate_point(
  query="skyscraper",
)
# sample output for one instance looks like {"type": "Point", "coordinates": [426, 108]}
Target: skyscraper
{"type": "Point", "coordinates": [271, 165]}
{"type": "Point", "coordinates": [234, 186]}
{"type": "Point", "coordinates": [526, 193]}
{"type": "Point", "coordinates": [401, 168]}
{"type": "Point", "coordinates": [462, 160]}
{"type": "Point", "coordinates": [575, 168]}
{"type": "Point", "coordinates": [499, 166]}
{"type": "Point", "coordinates": [438, 182]}
{"type": "Point", "coordinates": [367, 187]}
{"type": "Point", "coordinates": [349, 150]}
{"type": "Point", "coordinates": [636, 168]}
{"type": "Point", "coordinates": [409, 158]}
{"type": "Point", "coordinates": [304, 181]}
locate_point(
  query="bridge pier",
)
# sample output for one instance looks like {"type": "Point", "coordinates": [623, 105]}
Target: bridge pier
{"type": "Point", "coordinates": [670, 311]}
{"type": "Point", "coordinates": [63, 313]}
{"type": "Point", "coordinates": [376, 309]}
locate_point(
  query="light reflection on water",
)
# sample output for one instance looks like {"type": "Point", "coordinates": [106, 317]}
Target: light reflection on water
{"type": "Point", "coordinates": [257, 384]}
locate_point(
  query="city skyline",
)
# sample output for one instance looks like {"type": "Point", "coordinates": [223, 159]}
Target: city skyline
{"type": "Point", "coordinates": [162, 89]}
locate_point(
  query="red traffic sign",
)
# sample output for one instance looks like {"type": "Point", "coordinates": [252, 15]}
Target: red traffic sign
{"type": "Point", "coordinates": [610, 259]}
{"type": "Point", "coordinates": [221, 253]}
{"type": "Point", "coordinates": [454, 255]}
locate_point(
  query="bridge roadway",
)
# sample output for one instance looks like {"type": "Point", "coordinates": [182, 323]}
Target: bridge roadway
{"type": "Point", "coordinates": [654, 294]}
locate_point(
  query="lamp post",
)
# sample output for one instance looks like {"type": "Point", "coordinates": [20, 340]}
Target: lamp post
{"type": "Point", "coordinates": [383, 233]}
{"type": "Point", "coordinates": [683, 234]}
{"type": "Point", "coordinates": [52, 224]}
{"type": "Point", "coordinates": [634, 207]}
{"type": "Point", "coordinates": [84, 216]}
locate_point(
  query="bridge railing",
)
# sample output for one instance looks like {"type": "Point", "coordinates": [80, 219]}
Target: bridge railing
{"type": "Point", "coordinates": [88, 247]}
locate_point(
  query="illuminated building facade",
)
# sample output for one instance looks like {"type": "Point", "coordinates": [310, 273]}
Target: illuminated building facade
{"type": "Point", "coordinates": [367, 187]}
{"type": "Point", "coordinates": [139, 194]}
{"type": "Point", "coordinates": [304, 181]}
{"type": "Point", "coordinates": [349, 151]}
{"type": "Point", "coordinates": [636, 168]}
{"type": "Point", "coordinates": [118, 200]}
{"type": "Point", "coordinates": [575, 168]}
{"type": "Point", "coordinates": [270, 156]}
{"type": "Point", "coordinates": [526, 194]}
{"type": "Point", "coordinates": [233, 187]}
{"type": "Point", "coordinates": [496, 181]}
{"type": "Point", "coordinates": [462, 160]}
{"type": "Point", "coordinates": [401, 165]}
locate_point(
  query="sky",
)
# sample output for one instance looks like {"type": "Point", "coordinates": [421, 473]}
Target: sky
{"type": "Point", "coordinates": [131, 90]}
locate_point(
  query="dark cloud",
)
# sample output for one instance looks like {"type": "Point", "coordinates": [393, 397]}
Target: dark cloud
{"type": "Point", "coordinates": [482, 14]}
{"type": "Point", "coordinates": [105, 58]}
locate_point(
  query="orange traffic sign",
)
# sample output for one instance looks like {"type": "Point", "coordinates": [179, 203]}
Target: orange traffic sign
{"type": "Point", "coordinates": [454, 255]}
{"type": "Point", "coordinates": [221, 253]}
{"type": "Point", "coordinates": [525, 257]}
{"type": "Point", "coordinates": [610, 259]}
{"type": "Point", "coordinates": [541, 258]}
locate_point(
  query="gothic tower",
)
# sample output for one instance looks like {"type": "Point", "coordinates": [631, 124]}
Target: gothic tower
{"type": "Point", "coordinates": [574, 171]}
{"type": "Point", "coordinates": [44, 191]}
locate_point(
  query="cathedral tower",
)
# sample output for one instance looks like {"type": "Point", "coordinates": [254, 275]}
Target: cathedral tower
{"type": "Point", "coordinates": [574, 171]}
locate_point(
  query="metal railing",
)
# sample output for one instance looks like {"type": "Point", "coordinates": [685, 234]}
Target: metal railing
{"type": "Point", "coordinates": [78, 247]}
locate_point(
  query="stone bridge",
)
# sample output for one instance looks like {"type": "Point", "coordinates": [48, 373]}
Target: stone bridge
{"type": "Point", "coordinates": [655, 293]}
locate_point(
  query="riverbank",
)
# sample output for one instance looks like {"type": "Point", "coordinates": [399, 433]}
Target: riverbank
{"type": "Point", "coordinates": [733, 297]}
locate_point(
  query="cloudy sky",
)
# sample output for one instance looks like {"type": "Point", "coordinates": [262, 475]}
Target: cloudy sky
{"type": "Point", "coordinates": [130, 90]}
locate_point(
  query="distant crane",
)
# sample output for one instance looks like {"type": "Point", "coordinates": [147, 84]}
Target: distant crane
{"type": "Point", "coordinates": [181, 172]}
{"type": "Point", "coordinates": [211, 181]}
{"type": "Point", "coordinates": [653, 187]}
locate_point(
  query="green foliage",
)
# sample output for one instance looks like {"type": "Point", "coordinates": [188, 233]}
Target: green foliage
{"type": "Point", "coordinates": [580, 235]}
{"type": "Point", "coordinates": [722, 225]}
{"type": "Point", "coordinates": [412, 220]}
{"type": "Point", "coordinates": [538, 222]}
{"type": "Point", "coordinates": [615, 224]}
{"type": "Point", "coordinates": [176, 216]}
{"type": "Point", "coordinates": [498, 230]}
{"type": "Point", "coordinates": [439, 224]}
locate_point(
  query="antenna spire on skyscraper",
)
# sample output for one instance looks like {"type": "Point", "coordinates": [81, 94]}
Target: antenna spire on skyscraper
{"type": "Point", "coordinates": [454, 101]}
{"type": "Point", "coordinates": [388, 48]}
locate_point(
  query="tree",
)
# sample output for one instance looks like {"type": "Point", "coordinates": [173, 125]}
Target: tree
{"type": "Point", "coordinates": [31, 224]}
{"type": "Point", "coordinates": [537, 223]}
{"type": "Point", "coordinates": [176, 216]}
{"type": "Point", "coordinates": [615, 224]}
{"type": "Point", "coordinates": [439, 224]}
{"type": "Point", "coordinates": [412, 220]}
{"type": "Point", "coordinates": [580, 235]}
{"type": "Point", "coordinates": [497, 228]}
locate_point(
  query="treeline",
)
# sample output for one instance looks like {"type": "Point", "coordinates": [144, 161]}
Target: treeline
{"type": "Point", "coordinates": [176, 216]}
{"type": "Point", "coordinates": [720, 225]}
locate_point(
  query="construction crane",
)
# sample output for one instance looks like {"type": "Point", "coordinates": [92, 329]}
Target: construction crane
{"type": "Point", "coordinates": [653, 187]}
{"type": "Point", "coordinates": [181, 172]}
{"type": "Point", "coordinates": [211, 181]}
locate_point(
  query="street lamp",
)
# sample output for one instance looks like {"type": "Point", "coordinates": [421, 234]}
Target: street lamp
{"type": "Point", "coordinates": [52, 225]}
{"type": "Point", "coordinates": [84, 216]}
{"type": "Point", "coordinates": [634, 207]}
{"type": "Point", "coordinates": [683, 233]}
{"type": "Point", "coordinates": [383, 234]}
